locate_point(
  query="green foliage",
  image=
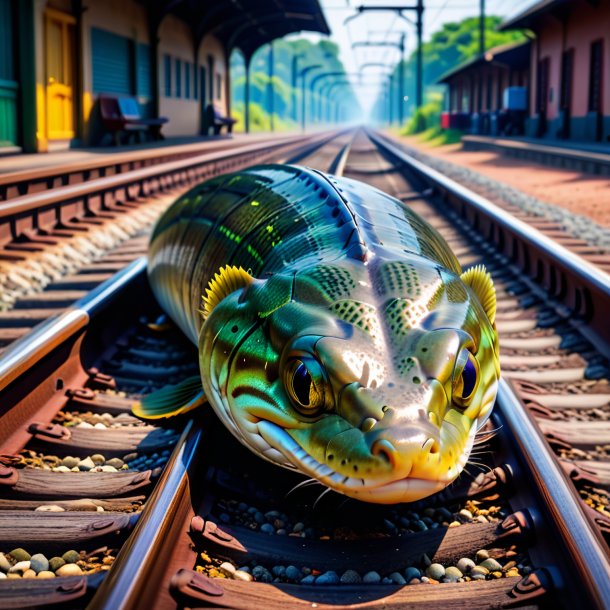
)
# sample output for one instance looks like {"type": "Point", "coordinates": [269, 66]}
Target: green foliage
{"type": "Point", "coordinates": [259, 119]}
{"type": "Point", "coordinates": [429, 115]}
{"type": "Point", "coordinates": [324, 53]}
{"type": "Point", "coordinates": [448, 47]}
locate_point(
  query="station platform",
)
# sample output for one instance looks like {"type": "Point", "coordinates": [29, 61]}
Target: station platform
{"type": "Point", "coordinates": [187, 145]}
{"type": "Point", "coordinates": [587, 157]}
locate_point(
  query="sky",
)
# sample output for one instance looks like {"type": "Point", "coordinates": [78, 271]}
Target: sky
{"type": "Point", "coordinates": [385, 25]}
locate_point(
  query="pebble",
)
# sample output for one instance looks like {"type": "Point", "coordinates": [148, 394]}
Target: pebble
{"type": "Point", "coordinates": [55, 563]}
{"type": "Point", "coordinates": [411, 573]}
{"type": "Point", "coordinates": [100, 426]}
{"type": "Point", "coordinates": [228, 569]}
{"type": "Point", "coordinates": [425, 560]}
{"type": "Point", "coordinates": [70, 462]}
{"type": "Point", "coordinates": [46, 574]}
{"type": "Point", "coordinates": [267, 528]}
{"type": "Point", "coordinates": [481, 555]}
{"type": "Point", "coordinates": [261, 574]}
{"type": "Point", "coordinates": [308, 580]}
{"type": "Point", "coordinates": [397, 578]}
{"type": "Point", "coordinates": [298, 527]}
{"type": "Point", "coordinates": [328, 578]}
{"type": "Point", "coordinates": [115, 463]}
{"type": "Point", "coordinates": [371, 577]}
{"type": "Point", "coordinates": [293, 573]}
{"type": "Point", "coordinates": [435, 570]}
{"type": "Point", "coordinates": [70, 556]}
{"type": "Point", "coordinates": [29, 574]}
{"type": "Point", "coordinates": [464, 565]}
{"type": "Point", "coordinates": [350, 577]}
{"type": "Point", "coordinates": [424, 579]}
{"type": "Point", "coordinates": [2, 575]}
{"type": "Point", "coordinates": [98, 459]}
{"type": "Point", "coordinates": [130, 457]}
{"type": "Point", "coordinates": [466, 514]}
{"type": "Point", "coordinates": [108, 468]}
{"type": "Point", "coordinates": [491, 564]}
{"type": "Point", "coordinates": [61, 468]}
{"type": "Point", "coordinates": [242, 575]}
{"type": "Point", "coordinates": [279, 571]}
{"type": "Point", "coordinates": [84, 424]}
{"type": "Point", "coordinates": [86, 464]}
{"type": "Point", "coordinates": [452, 574]}
{"type": "Point", "coordinates": [20, 566]}
{"type": "Point", "coordinates": [444, 514]}
{"type": "Point", "coordinates": [70, 569]}
{"type": "Point", "coordinates": [39, 563]}
{"type": "Point", "coordinates": [20, 554]}
{"type": "Point", "coordinates": [479, 571]}
{"type": "Point", "coordinates": [49, 508]}
{"type": "Point", "coordinates": [5, 564]}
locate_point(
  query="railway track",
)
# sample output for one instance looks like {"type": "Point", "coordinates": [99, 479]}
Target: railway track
{"type": "Point", "coordinates": [512, 532]}
{"type": "Point", "coordinates": [65, 230]}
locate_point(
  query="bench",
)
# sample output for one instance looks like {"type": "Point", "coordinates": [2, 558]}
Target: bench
{"type": "Point", "coordinates": [121, 114]}
{"type": "Point", "coordinates": [215, 119]}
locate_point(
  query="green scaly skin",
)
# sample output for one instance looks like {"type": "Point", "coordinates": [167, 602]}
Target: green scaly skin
{"type": "Point", "coordinates": [346, 357]}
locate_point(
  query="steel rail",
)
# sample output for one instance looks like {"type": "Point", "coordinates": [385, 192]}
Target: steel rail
{"type": "Point", "coordinates": [580, 285]}
{"type": "Point", "coordinates": [24, 353]}
{"type": "Point", "coordinates": [126, 583]}
{"type": "Point", "coordinates": [584, 543]}
{"type": "Point", "coordinates": [66, 194]}
{"type": "Point", "coordinates": [126, 157]}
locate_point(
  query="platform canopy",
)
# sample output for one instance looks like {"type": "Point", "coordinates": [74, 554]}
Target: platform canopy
{"type": "Point", "coordinates": [515, 55]}
{"type": "Point", "coordinates": [245, 24]}
{"type": "Point", "coordinates": [528, 18]}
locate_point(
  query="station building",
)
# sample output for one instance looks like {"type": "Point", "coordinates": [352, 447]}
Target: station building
{"type": "Point", "coordinates": [569, 67]}
{"type": "Point", "coordinates": [563, 70]}
{"type": "Point", "coordinates": [477, 89]}
{"type": "Point", "coordinates": [172, 56]}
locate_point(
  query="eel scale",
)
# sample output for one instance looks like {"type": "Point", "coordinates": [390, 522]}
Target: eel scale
{"type": "Point", "coordinates": [337, 333]}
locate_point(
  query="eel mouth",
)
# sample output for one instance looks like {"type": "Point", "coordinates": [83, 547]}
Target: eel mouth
{"type": "Point", "coordinates": [405, 489]}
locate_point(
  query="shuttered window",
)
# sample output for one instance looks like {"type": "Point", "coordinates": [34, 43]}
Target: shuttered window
{"type": "Point", "coordinates": [143, 71]}
{"type": "Point", "coordinates": [167, 72]}
{"type": "Point", "coordinates": [7, 67]}
{"type": "Point", "coordinates": [187, 79]}
{"type": "Point", "coordinates": [178, 78]}
{"type": "Point", "coordinates": [112, 62]}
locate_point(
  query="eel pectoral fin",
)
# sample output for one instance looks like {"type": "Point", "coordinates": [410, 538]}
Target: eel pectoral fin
{"type": "Point", "coordinates": [171, 400]}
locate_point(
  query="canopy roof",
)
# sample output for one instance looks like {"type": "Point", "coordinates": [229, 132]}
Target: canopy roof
{"type": "Point", "coordinates": [514, 54]}
{"type": "Point", "coordinates": [529, 17]}
{"type": "Point", "coordinates": [245, 24]}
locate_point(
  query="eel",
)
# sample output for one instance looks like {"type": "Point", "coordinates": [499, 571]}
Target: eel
{"type": "Point", "coordinates": [337, 333]}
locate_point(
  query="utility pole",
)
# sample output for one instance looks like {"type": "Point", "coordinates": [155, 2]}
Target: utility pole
{"type": "Point", "coordinates": [303, 75]}
{"type": "Point", "coordinates": [270, 86]}
{"type": "Point", "coordinates": [482, 29]}
{"type": "Point", "coordinates": [420, 54]}
{"type": "Point", "coordinates": [401, 81]}
{"type": "Point", "coordinates": [247, 95]}
{"type": "Point", "coordinates": [295, 74]}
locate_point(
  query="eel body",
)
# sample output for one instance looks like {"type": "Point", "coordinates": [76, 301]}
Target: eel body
{"type": "Point", "coordinates": [337, 332]}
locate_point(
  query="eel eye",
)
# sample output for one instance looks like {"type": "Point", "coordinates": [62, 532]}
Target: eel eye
{"type": "Point", "coordinates": [306, 385]}
{"type": "Point", "coordinates": [466, 378]}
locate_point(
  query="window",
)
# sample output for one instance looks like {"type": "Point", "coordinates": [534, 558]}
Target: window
{"type": "Point", "coordinates": [567, 71]}
{"type": "Point", "coordinates": [595, 77]}
{"type": "Point", "coordinates": [187, 79]}
{"type": "Point", "coordinates": [489, 92]}
{"type": "Point", "coordinates": [218, 86]}
{"type": "Point", "coordinates": [178, 78]}
{"type": "Point", "coordinates": [167, 70]}
{"type": "Point", "coordinates": [195, 83]}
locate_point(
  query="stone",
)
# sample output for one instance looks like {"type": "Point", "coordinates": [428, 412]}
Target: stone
{"type": "Point", "coordinates": [371, 577]}
{"type": "Point", "coordinates": [46, 574]}
{"type": "Point", "coordinates": [481, 555]}
{"type": "Point", "coordinates": [70, 556]}
{"type": "Point", "coordinates": [308, 580]}
{"type": "Point", "coordinates": [70, 569]}
{"type": "Point", "coordinates": [98, 459]}
{"type": "Point", "coordinates": [466, 514]}
{"type": "Point", "coordinates": [267, 528]}
{"type": "Point", "coordinates": [2, 575]}
{"type": "Point", "coordinates": [55, 563]}
{"type": "Point", "coordinates": [20, 554]}
{"type": "Point", "coordinates": [397, 578]}
{"type": "Point", "coordinates": [298, 527]}
{"type": "Point", "coordinates": [453, 574]}
{"type": "Point", "coordinates": [29, 574]}
{"type": "Point", "coordinates": [61, 468]}
{"type": "Point", "coordinates": [86, 464]}
{"type": "Point", "coordinates": [70, 462]}
{"type": "Point", "coordinates": [20, 567]}
{"type": "Point", "coordinates": [39, 563]}
{"type": "Point", "coordinates": [5, 564]}
{"type": "Point", "coordinates": [261, 574]}
{"type": "Point", "coordinates": [491, 564]}
{"type": "Point", "coordinates": [279, 571]}
{"type": "Point", "coordinates": [227, 568]}
{"type": "Point", "coordinates": [328, 578]}
{"type": "Point", "coordinates": [350, 577]}
{"type": "Point", "coordinates": [479, 571]}
{"type": "Point", "coordinates": [464, 565]}
{"type": "Point", "coordinates": [242, 575]}
{"type": "Point", "coordinates": [115, 463]}
{"type": "Point", "coordinates": [435, 570]}
{"type": "Point", "coordinates": [411, 573]}
{"type": "Point", "coordinates": [293, 573]}
{"type": "Point", "coordinates": [50, 508]}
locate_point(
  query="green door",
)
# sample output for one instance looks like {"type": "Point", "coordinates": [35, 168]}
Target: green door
{"type": "Point", "coordinates": [9, 88]}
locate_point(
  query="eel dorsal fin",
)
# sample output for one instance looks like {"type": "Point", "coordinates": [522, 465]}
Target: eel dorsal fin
{"type": "Point", "coordinates": [481, 284]}
{"type": "Point", "coordinates": [227, 280]}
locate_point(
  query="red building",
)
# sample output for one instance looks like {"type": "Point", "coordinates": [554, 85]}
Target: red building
{"type": "Point", "coordinates": [481, 90]}
{"type": "Point", "coordinates": [569, 67]}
